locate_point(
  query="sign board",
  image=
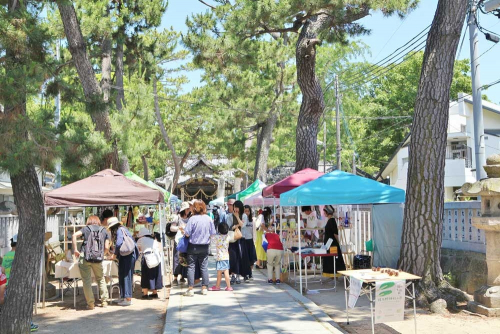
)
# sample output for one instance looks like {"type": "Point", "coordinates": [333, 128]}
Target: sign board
{"type": "Point", "coordinates": [354, 291]}
{"type": "Point", "coordinates": [389, 301]}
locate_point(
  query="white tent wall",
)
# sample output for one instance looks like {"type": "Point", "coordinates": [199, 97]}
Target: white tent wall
{"type": "Point", "coordinates": [387, 229]}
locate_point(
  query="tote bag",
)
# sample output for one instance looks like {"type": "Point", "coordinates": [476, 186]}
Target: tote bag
{"type": "Point", "coordinates": [152, 257]}
{"type": "Point", "coordinates": [264, 242]}
{"type": "Point", "coordinates": [128, 244]}
{"type": "Point", "coordinates": [182, 245]}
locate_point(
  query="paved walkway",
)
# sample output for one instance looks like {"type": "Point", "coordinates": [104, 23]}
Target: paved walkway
{"type": "Point", "coordinates": [255, 307]}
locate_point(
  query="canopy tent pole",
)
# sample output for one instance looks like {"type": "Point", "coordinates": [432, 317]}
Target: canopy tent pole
{"type": "Point", "coordinates": [300, 252]}
{"type": "Point", "coordinates": [161, 206]}
{"type": "Point", "coordinates": [281, 238]}
{"type": "Point", "coordinates": [43, 259]}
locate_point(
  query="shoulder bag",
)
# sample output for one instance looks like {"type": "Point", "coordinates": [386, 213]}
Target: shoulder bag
{"type": "Point", "coordinates": [128, 244]}
{"type": "Point", "coordinates": [152, 257]}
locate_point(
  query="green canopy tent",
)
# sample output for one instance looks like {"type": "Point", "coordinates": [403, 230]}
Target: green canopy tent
{"type": "Point", "coordinates": [253, 189]}
{"type": "Point", "coordinates": [134, 177]}
{"type": "Point", "coordinates": [232, 196]}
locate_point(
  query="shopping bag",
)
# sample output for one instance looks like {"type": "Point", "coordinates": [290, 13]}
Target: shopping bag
{"type": "Point", "coordinates": [182, 245]}
{"type": "Point", "coordinates": [264, 242]}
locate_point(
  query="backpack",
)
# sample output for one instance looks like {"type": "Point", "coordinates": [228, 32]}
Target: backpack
{"type": "Point", "coordinates": [128, 244]}
{"type": "Point", "coordinates": [216, 216]}
{"type": "Point", "coordinates": [94, 245]}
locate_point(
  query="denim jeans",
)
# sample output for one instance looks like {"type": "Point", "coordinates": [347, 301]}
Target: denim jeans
{"type": "Point", "coordinates": [126, 275]}
{"type": "Point", "coordinates": [198, 254]}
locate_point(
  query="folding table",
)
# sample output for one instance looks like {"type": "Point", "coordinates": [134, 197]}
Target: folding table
{"type": "Point", "coordinates": [369, 278]}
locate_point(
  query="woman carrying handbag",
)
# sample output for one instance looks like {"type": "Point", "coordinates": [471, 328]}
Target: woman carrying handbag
{"type": "Point", "coordinates": [238, 253]}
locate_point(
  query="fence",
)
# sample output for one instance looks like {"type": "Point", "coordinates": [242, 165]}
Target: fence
{"type": "Point", "coordinates": [9, 226]}
{"type": "Point", "coordinates": [360, 227]}
{"type": "Point", "coordinates": [458, 232]}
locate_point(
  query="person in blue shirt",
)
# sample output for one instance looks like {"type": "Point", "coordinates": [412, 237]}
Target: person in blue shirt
{"type": "Point", "coordinates": [198, 229]}
{"type": "Point", "coordinates": [125, 263]}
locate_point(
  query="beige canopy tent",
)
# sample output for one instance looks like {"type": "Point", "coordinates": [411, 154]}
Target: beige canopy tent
{"type": "Point", "coordinates": [107, 187]}
{"type": "Point", "coordinates": [104, 188]}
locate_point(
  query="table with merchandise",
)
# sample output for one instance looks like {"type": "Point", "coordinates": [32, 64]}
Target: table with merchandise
{"type": "Point", "coordinates": [388, 283]}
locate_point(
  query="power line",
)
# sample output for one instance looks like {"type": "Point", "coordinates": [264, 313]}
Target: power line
{"type": "Point", "coordinates": [394, 33]}
{"type": "Point", "coordinates": [385, 70]}
{"type": "Point", "coordinates": [377, 66]}
{"type": "Point", "coordinates": [382, 61]}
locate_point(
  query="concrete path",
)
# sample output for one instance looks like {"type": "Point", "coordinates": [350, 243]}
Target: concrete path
{"type": "Point", "coordinates": [255, 307]}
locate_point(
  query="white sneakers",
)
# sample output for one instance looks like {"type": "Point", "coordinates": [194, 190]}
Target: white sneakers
{"type": "Point", "coordinates": [125, 303]}
{"type": "Point", "coordinates": [188, 293]}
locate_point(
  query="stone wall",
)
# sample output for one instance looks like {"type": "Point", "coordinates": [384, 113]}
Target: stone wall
{"type": "Point", "coordinates": [467, 270]}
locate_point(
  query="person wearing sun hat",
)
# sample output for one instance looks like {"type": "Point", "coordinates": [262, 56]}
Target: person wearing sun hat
{"type": "Point", "coordinates": [151, 278]}
{"type": "Point", "coordinates": [179, 221]}
{"type": "Point", "coordinates": [125, 262]}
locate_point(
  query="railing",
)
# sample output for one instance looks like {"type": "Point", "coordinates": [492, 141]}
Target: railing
{"type": "Point", "coordinates": [9, 226]}
{"type": "Point", "coordinates": [460, 151]}
{"type": "Point", "coordinates": [458, 232]}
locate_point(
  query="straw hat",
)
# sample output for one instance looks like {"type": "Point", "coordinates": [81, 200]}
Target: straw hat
{"type": "Point", "coordinates": [184, 206]}
{"type": "Point", "coordinates": [112, 222]}
{"type": "Point", "coordinates": [143, 232]}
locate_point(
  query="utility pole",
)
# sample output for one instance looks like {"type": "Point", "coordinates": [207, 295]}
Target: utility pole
{"type": "Point", "coordinates": [354, 163]}
{"type": "Point", "coordinates": [57, 118]}
{"type": "Point", "coordinates": [337, 119]}
{"type": "Point", "coordinates": [324, 142]}
{"type": "Point", "coordinates": [477, 107]}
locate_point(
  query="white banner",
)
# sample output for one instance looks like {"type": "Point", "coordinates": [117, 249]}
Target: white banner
{"type": "Point", "coordinates": [354, 291]}
{"type": "Point", "coordinates": [389, 301]}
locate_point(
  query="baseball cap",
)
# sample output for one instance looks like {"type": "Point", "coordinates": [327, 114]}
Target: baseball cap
{"type": "Point", "coordinates": [14, 238]}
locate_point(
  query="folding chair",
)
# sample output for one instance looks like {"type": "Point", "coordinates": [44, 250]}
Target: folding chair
{"type": "Point", "coordinates": [68, 284]}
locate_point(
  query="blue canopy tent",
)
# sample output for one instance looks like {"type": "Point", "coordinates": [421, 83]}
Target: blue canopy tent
{"type": "Point", "coordinates": [340, 188]}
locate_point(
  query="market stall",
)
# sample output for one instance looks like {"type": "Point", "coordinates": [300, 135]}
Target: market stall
{"type": "Point", "coordinates": [106, 188]}
{"type": "Point", "coordinates": [255, 188]}
{"type": "Point", "coordinates": [338, 188]}
{"type": "Point", "coordinates": [259, 200]}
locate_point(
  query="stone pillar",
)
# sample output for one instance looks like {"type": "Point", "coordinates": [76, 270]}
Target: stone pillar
{"type": "Point", "coordinates": [487, 298]}
{"type": "Point", "coordinates": [182, 194]}
{"type": "Point", "coordinates": [237, 184]}
{"type": "Point", "coordinates": [221, 187]}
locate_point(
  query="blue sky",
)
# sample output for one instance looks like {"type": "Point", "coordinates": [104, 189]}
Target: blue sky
{"type": "Point", "coordinates": [387, 34]}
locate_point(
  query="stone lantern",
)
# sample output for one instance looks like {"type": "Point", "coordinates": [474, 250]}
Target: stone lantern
{"type": "Point", "coordinates": [487, 298]}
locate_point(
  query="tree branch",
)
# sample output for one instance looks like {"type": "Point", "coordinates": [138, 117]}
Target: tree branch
{"type": "Point", "coordinates": [206, 4]}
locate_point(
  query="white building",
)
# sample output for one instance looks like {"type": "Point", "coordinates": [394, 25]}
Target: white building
{"type": "Point", "coordinates": [460, 161]}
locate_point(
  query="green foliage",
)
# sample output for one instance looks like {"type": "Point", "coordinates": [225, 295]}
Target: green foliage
{"type": "Point", "coordinates": [393, 94]}
{"type": "Point", "coordinates": [26, 131]}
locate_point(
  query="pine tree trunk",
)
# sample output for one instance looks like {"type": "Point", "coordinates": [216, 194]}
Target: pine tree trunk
{"type": "Point", "coordinates": [120, 94]}
{"type": "Point", "coordinates": [95, 105]}
{"type": "Point", "coordinates": [106, 69]}
{"type": "Point", "coordinates": [312, 104]}
{"type": "Point", "coordinates": [17, 310]}
{"type": "Point", "coordinates": [145, 166]}
{"type": "Point", "coordinates": [424, 209]}
{"type": "Point", "coordinates": [264, 140]}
